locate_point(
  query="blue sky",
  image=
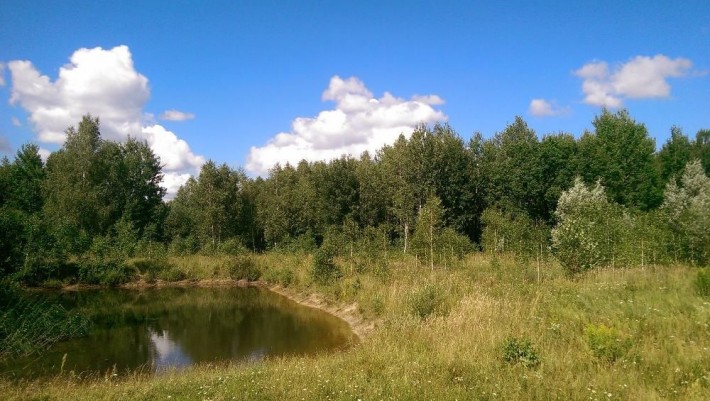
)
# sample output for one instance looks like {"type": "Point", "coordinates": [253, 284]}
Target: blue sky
{"type": "Point", "coordinates": [248, 71]}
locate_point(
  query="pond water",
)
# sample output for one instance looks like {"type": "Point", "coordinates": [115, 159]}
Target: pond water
{"type": "Point", "coordinates": [152, 330]}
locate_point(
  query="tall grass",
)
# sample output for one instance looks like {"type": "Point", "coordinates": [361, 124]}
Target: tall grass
{"type": "Point", "coordinates": [459, 350]}
{"type": "Point", "coordinates": [29, 325]}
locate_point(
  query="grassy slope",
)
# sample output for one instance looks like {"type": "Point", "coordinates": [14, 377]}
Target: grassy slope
{"type": "Point", "coordinates": [456, 352]}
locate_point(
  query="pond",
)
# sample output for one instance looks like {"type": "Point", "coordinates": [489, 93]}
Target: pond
{"type": "Point", "coordinates": [151, 330]}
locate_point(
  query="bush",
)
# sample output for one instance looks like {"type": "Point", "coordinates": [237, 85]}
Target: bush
{"type": "Point", "coordinates": [324, 269]}
{"type": "Point", "coordinates": [151, 268]}
{"type": "Point", "coordinates": [702, 282]}
{"type": "Point", "coordinates": [606, 343]}
{"type": "Point", "coordinates": [105, 272]}
{"type": "Point", "coordinates": [232, 247]}
{"type": "Point", "coordinates": [588, 230]}
{"type": "Point", "coordinates": [242, 268]}
{"type": "Point", "coordinates": [427, 301]}
{"type": "Point", "coordinates": [172, 274]}
{"type": "Point", "coordinates": [520, 351]}
{"type": "Point", "coordinates": [184, 246]}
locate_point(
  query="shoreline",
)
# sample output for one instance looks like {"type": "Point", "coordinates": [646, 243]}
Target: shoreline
{"type": "Point", "coordinates": [347, 313]}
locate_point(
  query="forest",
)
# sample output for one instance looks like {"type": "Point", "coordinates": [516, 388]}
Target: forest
{"type": "Point", "coordinates": [607, 198]}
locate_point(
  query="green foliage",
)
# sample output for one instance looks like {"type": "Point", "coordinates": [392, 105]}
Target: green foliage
{"type": "Point", "coordinates": [428, 230]}
{"type": "Point", "coordinates": [520, 350]}
{"type": "Point", "coordinates": [606, 343]}
{"type": "Point", "coordinates": [243, 267]}
{"type": "Point", "coordinates": [281, 275]}
{"type": "Point", "coordinates": [106, 272]}
{"type": "Point", "coordinates": [702, 282]}
{"type": "Point", "coordinates": [304, 243]}
{"type": "Point", "coordinates": [427, 300]}
{"type": "Point", "coordinates": [687, 211]}
{"type": "Point", "coordinates": [29, 325]}
{"type": "Point", "coordinates": [172, 273]}
{"type": "Point", "coordinates": [512, 232]}
{"type": "Point", "coordinates": [184, 246]}
{"type": "Point", "coordinates": [513, 169]}
{"type": "Point", "coordinates": [324, 269]}
{"type": "Point", "coordinates": [587, 231]}
{"type": "Point", "coordinates": [232, 246]}
{"type": "Point", "coordinates": [620, 154]}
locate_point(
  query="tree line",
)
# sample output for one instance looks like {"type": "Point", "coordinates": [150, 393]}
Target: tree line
{"type": "Point", "coordinates": [433, 195]}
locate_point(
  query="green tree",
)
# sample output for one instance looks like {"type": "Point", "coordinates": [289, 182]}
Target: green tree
{"type": "Point", "coordinates": [620, 154]}
{"type": "Point", "coordinates": [428, 229]}
{"type": "Point", "coordinates": [558, 163]}
{"type": "Point", "coordinates": [511, 162]}
{"type": "Point", "coordinates": [26, 177]}
{"type": "Point", "coordinates": [687, 209]}
{"type": "Point", "coordinates": [701, 149]}
{"type": "Point", "coordinates": [674, 155]}
{"type": "Point", "coordinates": [586, 233]}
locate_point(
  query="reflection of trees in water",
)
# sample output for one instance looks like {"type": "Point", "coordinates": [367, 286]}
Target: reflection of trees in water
{"type": "Point", "coordinates": [134, 328]}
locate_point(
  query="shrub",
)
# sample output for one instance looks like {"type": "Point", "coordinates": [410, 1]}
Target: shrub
{"type": "Point", "coordinates": [151, 268]}
{"type": "Point", "coordinates": [172, 273]}
{"type": "Point", "coordinates": [324, 269]}
{"type": "Point", "coordinates": [520, 351]}
{"type": "Point", "coordinates": [588, 229]}
{"type": "Point", "coordinates": [702, 282]}
{"type": "Point", "coordinates": [242, 268]}
{"type": "Point", "coordinates": [427, 301]}
{"type": "Point", "coordinates": [105, 272]}
{"type": "Point", "coordinates": [606, 343]}
{"type": "Point", "coordinates": [232, 247]}
{"type": "Point", "coordinates": [184, 246]}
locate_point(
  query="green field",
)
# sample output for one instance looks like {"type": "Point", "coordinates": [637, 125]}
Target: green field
{"type": "Point", "coordinates": [491, 327]}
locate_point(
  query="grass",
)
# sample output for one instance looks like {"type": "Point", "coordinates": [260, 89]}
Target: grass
{"type": "Point", "coordinates": [456, 350]}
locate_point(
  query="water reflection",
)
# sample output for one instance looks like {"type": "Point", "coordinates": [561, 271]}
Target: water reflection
{"type": "Point", "coordinates": [167, 352]}
{"type": "Point", "coordinates": [158, 329]}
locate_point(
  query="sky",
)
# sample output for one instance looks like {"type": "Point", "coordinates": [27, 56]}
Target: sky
{"type": "Point", "coordinates": [254, 83]}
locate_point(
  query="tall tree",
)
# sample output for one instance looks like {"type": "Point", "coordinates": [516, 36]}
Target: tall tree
{"type": "Point", "coordinates": [687, 207]}
{"type": "Point", "coordinates": [620, 153]}
{"type": "Point", "coordinates": [673, 156]}
{"type": "Point", "coordinates": [511, 160]}
{"type": "Point", "coordinates": [558, 163]}
{"type": "Point", "coordinates": [428, 229]}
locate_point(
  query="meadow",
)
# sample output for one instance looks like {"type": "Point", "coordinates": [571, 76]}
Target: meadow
{"type": "Point", "coordinates": [487, 327]}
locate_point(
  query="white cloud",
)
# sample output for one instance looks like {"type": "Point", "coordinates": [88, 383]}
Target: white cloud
{"type": "Point", "coordinates": [103, 83]}
{"type": "Point", "coordinates": [176, 115]}
{"type": "Point", "coordinates": [44, 153]}
{"type": "Point", "coordinates": [543, 108]}
{"type": "Point", "coordinates": [359, 122]}
{"type": "Point", "coordinates": [16, 121]}
{"type": "Point", "coordinates": [2, 74]}
{"type": "Point", "coordinates": [172, 182]}
{"type": "Point", "coordinates": [640, 78]}
{"type": "Point", "coordinates": [175, 153]}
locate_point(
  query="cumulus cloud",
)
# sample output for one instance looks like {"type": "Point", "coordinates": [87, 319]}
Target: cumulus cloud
{"type": "Point", "coordinates": [2, 74]}
{"type": "Point", "coordinates": [44, 153]}
{"type": "Point", "coordinates": [359, 122]}
{"type": "Point", "coordinates": [641, 77]}
{"type": "Point", "coordinates": [176, 115]}
{"type": "Point", "coordinates": [543, 108]}
{"type": "Point", "coordinates": [103, 83]}
{"type": "Point", "coordinates": [16, 122]}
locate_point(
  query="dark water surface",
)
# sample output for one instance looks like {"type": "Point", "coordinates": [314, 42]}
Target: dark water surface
{"type": "Point", "coordinates": [155, 329]}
